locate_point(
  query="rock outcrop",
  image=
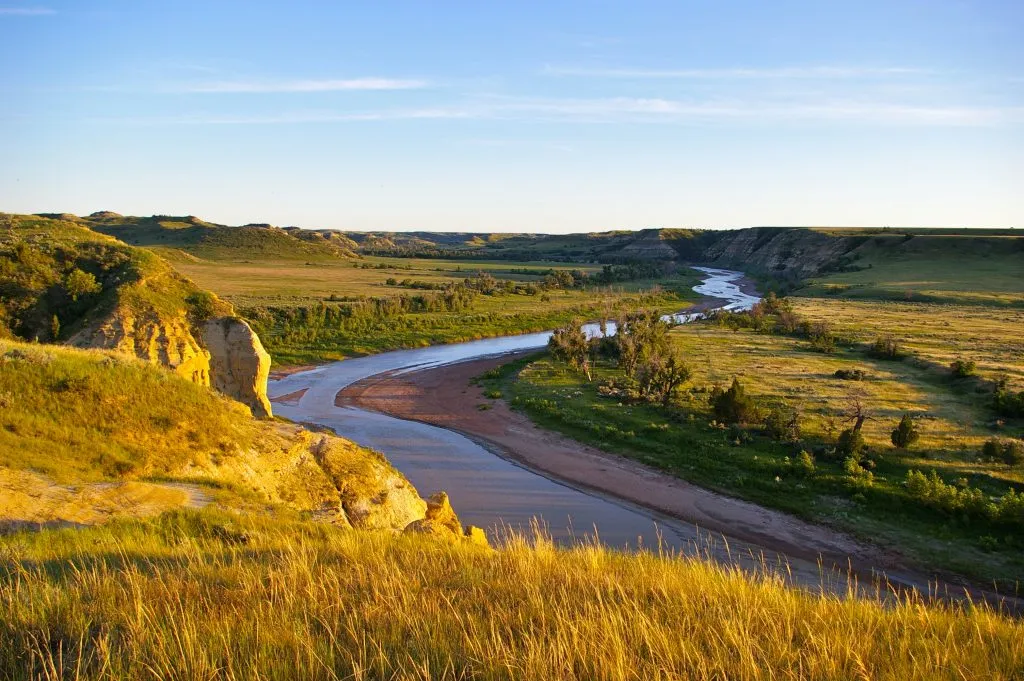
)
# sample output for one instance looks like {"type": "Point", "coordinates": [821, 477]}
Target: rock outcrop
{"type": "Point", "coordinates": [163, 341]}
{"type": "Point", "coordinates": [797, 252]}
{"type": "Point", "coordinates": [239, 366]}
{"type": "Point", "coordinates": [441, 521]}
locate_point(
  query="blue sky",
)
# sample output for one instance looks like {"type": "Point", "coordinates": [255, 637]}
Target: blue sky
{"type": "Point", "coordinates": [520, 116]}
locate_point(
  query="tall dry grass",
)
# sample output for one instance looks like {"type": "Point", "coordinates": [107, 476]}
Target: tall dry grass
{"type": "Point", "coordinates": [178, 598]}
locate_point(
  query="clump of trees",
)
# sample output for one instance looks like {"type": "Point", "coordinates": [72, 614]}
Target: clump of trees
{"type": "Point", "coordinates": [569, 344]}
{"type": "Point", "coordinates": [1005, 401]}
{"type": "Point", "coordinates": [905, 434]}
{"type": "Point", "coordinates": [1008, 451]}
{"type": "Point", "coordinates": [655, 370]}
{"type": "Point", "coordinates": [962, 368]}
{"type": "Point", "coordinates": [886, 347]}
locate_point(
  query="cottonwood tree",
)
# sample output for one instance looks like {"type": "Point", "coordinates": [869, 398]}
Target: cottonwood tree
{"type": "Point", "coordinates": [569, 344]}
{"type": "Point", "coordinates": [641, 336]}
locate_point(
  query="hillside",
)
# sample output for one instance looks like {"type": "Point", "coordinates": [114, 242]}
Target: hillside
{"type": "Point", "coordinates": [62, 282]}
{"type": "Point", "coordinates": [207, 240]}
{"type": "Point", "coordinates": [233, 546]}
{"type": "Point", "coordinates": [87, 435]}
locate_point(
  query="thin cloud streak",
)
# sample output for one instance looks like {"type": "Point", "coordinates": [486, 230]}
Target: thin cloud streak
{"type": "Point", "coordinates": [635, 111]}
{"type": "Point", "coordinates": [27, 11]}
{"type": "Point", "coordinates": [335, 85]}
{"type": "Point", "coordinates": [800, 72]}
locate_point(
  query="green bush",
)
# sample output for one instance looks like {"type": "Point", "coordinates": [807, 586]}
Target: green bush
{"type": "Point", "coordinates": [782, 423]}
{"type": "Point", "coordinates": [962, 368]}
{"type": "Point", "coordinates": [850, 374]}
{"type": "Point", "coordinates": [733, 405]}
{"type": "Point", "coordinates": [805, 464]}
{"type": "Point", "coordinates": [905, 434]}
{"type": "Point", "coordinates": [850, 444]}
{"type": "Point", "coordinates": [886, 347]}
{"type": "Point", "coordinates": [1010, 452]}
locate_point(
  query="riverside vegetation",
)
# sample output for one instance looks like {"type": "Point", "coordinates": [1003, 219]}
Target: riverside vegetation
{"type": "Point", "coordinates": [155, 529]}
{"type": "Point", "coordinates": [897, 422]}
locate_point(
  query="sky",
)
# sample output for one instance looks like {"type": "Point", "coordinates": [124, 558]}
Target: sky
{"type": "Point", "coordinates": [551, 116]}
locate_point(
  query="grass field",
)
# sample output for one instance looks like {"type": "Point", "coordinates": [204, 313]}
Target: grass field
{"type": "Point", "coordinates": [277, 296]}
{"type": "Point", "coordinates": [952, 269]}
{"type": "Point", "coordinates": [954, 418]}
{"type": "Point", "coordinates": [173, 598]}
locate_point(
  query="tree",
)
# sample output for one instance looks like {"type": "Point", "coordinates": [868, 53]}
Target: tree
{"type": "Point", "coordinates": [886, 347]}
{"type": "Point", "coordinates": [905, 434]}
{"type": "Point", "coordinates": [569, 344]}
{"type": "Point", "coordinates": [79, 283]}
{"type": "Point", "coordinates": [783, 423]}
{"type": "Point", "coordinates": [54, 328]}
{"type": "Point", "coordinates": [850, 444]}
{"type": "Point", "coordinates": [733, 405]}
{"type": "Point", "coordinates": [641, 336]}
{"type": "Point", "coordinates": [662, 375]}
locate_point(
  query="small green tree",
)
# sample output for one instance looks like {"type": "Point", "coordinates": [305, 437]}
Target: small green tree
{"type": "Point", "coordinates": [733, 405]}
{"type": "Point", "coordinates": [79, 283]}
{"type": "Point", "coordinates": [782, 423]}
{"type": "Point", "coordinates": [569, 344]}
{"type": "Point", "coordinates": [905, 434]}
{"type": "Point", "coordinates": [962, 368]}
{"type": "Point", "coordinates": [55, 328]}
{"type": "Point", "coordinates": [850, 444]}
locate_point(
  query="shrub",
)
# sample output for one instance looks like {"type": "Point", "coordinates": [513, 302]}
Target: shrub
{"type": "Point", "coordinates": [850, 444]}
{"type": "Point", "coordinates": [79, 283]}
{"type": "Point", "coordinates": [850, 374]}
{"type": "Point", "coordinates": [886, 347]}
{"type": "Point", "coordinates": [733, 405]}
{"type": "Point", "coordinates": [905, 434]}
{"type": "Point", "coordinates": [1005, 401]}
{"type": "Point", "coordinates": [857, 473]}
{"type": "Point", "coordinates": [805, 464]}
{"type": "Point", "coordinates": [821, 336]}
{"type": "Point", "coordinates": [1010, 452]}
{"type": "Point", "coordinates": [782, 423]}
{"type": "Point", "coordinates": [962, 368]}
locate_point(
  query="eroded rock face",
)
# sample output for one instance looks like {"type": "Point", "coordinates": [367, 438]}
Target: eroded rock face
{"type": "Point", "coordinates": [167, 342]}
{"type": "Point", "coordinates": [441, 521]}
{"type": "Point", "coordinates": [239, 366]}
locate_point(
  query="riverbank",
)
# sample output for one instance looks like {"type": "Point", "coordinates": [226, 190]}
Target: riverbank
{"type": "Point", "coordinates": [445, 397]}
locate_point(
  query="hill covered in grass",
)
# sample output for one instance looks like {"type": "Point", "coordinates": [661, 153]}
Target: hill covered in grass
{"type": "Point", "coordinates": [92, 422]}
{"type": "Point", "coordinates": [174, 597]}
{"type": "Point", "coordinates": [891, 263]}
{"type": "Point", "coordinates": [62, 282]}
{"type": "Point", "coordinates": [293, 566]}
{"type": "Point", "coordinates": [208, 240]}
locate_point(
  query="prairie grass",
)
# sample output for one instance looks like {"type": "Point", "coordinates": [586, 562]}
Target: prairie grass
{"type": "Point", "coordinates": [954, 418]}
{"type": "Point", "coordinates": [87, 415]}
{"type": "Point", "coordinates": [173, 598]}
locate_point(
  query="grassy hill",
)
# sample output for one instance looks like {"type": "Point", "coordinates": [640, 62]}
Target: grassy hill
{"type": "Point", "coordinates": [207, 240]}
{"type": "Point", "coordinates": [57, 277]}
{"type": "Point", "coordinates": [252, 586]}
{"type": "Point", "coordinates": [177, 598]}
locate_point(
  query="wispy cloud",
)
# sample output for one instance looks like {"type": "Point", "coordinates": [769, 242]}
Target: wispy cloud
{"type": "Point", "coordinates": [26, 11]}
{"type": "Point", "coordinates": [797, 72]}
{"type": "Point", "coordinates": [640, 110]}
{"type": "Point", "coordinates": [634, 111]}
{"type": "Point", "coordinates": [329, 85]}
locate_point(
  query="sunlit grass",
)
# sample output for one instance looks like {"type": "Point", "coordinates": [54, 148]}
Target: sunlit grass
{"type": "Point", "coordinates": [169, 599]}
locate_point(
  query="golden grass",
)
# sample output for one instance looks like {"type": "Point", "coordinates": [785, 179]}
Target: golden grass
{"type": "Point", "coordinates": [173, 599]}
